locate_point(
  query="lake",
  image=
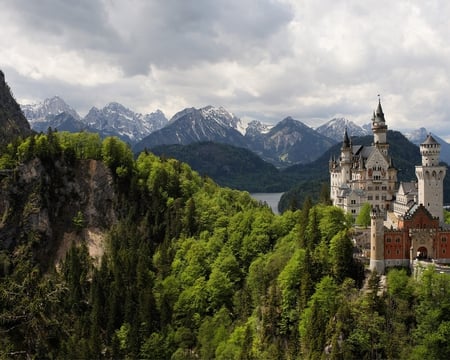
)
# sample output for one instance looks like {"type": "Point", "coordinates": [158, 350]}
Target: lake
{"type": "Point", "coordinates": [271, 199]}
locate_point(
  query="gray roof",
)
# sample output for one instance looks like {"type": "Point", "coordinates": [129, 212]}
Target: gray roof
{"type": "Point", "coordinates": [407, 187]}
{"type": "Point", "coordinates": [430, 140]}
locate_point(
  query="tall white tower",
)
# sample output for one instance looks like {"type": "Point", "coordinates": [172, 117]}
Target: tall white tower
{"type": "Point", "coordinates": [430, 178]}
{"type": "Point", "coordinates": [377, 240]}
{"type": "Point", "coordinates": [379, 129]}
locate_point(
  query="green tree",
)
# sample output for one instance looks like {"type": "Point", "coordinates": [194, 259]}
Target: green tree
{"type": "Point", "coordinates": [321, 308]}
{"type": "Point", "coordinates": [341, 256]}
{"type": "Point", "coordinates": [117, 156]}
{"type": "Point", "coordinates": [363, 218]}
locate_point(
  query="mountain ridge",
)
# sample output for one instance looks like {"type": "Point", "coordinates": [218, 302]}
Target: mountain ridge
{"type": "Point", "coordinates": [205, 124]}
{"type": "Point", "coordinates": [13, 123]}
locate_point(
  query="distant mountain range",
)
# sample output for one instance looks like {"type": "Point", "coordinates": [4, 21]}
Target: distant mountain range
{"type": "Point", "coordinates": [334, 129]}
{"type": "Point", "coordinates": [112, 120]}
{"type": "Point", "coordinates": [287, 143]}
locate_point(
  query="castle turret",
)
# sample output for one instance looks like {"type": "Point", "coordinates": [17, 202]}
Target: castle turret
{"type": "Point", "coordinates": [379, 129]}
{"type": "Point", "coordinates": [377, 240]}
{"type": "Point", "coordinates": [346, 159]}
{"type": "Point", "coordinates": [430, 178]}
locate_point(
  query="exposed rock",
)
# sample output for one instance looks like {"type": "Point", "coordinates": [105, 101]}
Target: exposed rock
{"type": "Point", "coordinates": [39, 201]}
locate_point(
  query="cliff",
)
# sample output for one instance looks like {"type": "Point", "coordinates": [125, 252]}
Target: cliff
{"type": "Point", "coordinates": [47, 206]}
{"type": "Point", "coordinates": [13, 123]}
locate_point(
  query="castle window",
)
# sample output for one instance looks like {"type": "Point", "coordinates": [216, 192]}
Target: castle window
{"type": "Point", "coordinates": [398, 251]}
{"type": "Point", "coordinates": [444, 239]}
{"type": "Point", "coordinates": [353, 202]}
{"type": "Point", "coordinates": [389, 252]}
{"type": "Point", "coordinates": [397, 240]}
{"type": "Point", "coordinates": [443, 251]}
{"type": "Point", "coordinates": [388, 239]}
{"type": "Point", "coordinates": [370, 197]}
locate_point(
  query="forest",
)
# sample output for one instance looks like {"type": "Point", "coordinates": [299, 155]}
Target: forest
{"type": "Point", "coordinates": [192, 270]}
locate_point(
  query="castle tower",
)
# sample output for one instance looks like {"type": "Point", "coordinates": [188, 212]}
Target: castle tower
{"type": "Point", "coordinates": [379, 129]}
{"type": "Point", "coordinates": [340, 170]}
{"type": "Point", "coordinates": [430, 178]}
{"type": "Point", "coordinates": [377, 241]}
{"type": "Point", "coordinates": [346, 159]}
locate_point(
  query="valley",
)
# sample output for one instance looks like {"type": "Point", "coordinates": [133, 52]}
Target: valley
{"type": "Point", "coordinates": [107, 254]}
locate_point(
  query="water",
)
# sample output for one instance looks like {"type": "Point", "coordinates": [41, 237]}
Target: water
{"type": "Point", "coordinates": [271, 199]}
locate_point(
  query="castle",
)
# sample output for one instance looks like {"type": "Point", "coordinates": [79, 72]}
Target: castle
{"type": "Point", "coordinates": [407, 222]}
{"type": "Point", "coordinates": [364, 174]}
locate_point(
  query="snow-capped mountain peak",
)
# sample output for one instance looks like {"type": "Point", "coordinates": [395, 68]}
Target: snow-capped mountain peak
{"type": "Point", "coordinates": [113, 119]}
{"type": "Point", "coordinates": [218, 115]}
{"type": "Point", "coordinates": [335, 128]}
{"type": "Point", "coordinates": [51, 107]}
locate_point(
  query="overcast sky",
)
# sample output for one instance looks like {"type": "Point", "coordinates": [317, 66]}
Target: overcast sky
{"type": "Point", "coordinates": [260, 59]}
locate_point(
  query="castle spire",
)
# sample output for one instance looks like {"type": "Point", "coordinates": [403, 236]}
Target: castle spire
{"type": "Point", "coordinates": [346, 142]}
{"type": "Point", "coordinates": [379, 115]}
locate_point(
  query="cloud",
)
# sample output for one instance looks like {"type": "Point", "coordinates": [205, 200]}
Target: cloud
{"type": "Point", "coordinates": [263, 59]}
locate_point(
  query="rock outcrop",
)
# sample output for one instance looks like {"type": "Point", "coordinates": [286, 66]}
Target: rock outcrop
{"type": "Point", "coordinates": [48, 206]}
{"type": "Point", "coordinates": [13, 123]}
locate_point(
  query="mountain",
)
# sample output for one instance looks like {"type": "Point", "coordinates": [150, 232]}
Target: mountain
{"type": "Point", "coordinates": [290, 142]}
{"type": "Point", "coordinates": [196, 125]}
{"type": "Point", "coordinates": [116, 120]}
{"type": "Point", "coordinates": [227, 165]}
{"type": "Point", "coordinates": [13, 123]}
{"type": "Point", "coordinates": [335, 128]}
{"type": "Point", "coordinates": [419, 135]}
{"type": "Point", "coordinates": [113, 120]}
{"type": "Point", "coordinates": [40, 115]}
{"type": "Point", "coordinates": [257, 128]}
{"type": "Point", "coordinates": [62, 122]}
{"type": "Point", "coordinates": [287, 143]}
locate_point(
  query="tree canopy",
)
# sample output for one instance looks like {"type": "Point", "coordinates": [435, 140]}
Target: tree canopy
{"type": "Point", "coordinates": [193, 270]}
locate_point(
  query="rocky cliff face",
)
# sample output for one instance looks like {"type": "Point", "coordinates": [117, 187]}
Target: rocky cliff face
{"type": "Point", "coordinates": [48, 206]}
{"type": "Point", "coordinates": [12, 121]}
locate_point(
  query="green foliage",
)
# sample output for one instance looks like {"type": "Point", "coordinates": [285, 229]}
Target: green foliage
{"type": "Point", "coordinates": [192, 270]}
{"type": "Point", "coordinates": [117, 156]}
{"type": "Point", "coordinates": [363, 218]}
{"type": "Point", "coordinates": [78, 220]}
{"type": "Point", "coordinates": [83, 145]}
{"type": "Point", "coordinates": [228, 165]}
{"type": "Point", "coordinates": [447, 216]}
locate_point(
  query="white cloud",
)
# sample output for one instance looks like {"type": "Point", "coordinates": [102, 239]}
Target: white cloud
{"type": "Point", "coordinates": [263, 59]}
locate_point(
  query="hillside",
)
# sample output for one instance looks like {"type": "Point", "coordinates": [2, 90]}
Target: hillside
{"type": "Point", "coordinates": [104, 256]}
{"type": "Point", "coordinates": [240, 169]}
{"type": "Point", "coordinates": [230, 166]}
{"type": "Point", "coordinates": [13, 123]}
{"type": "Point", "coordinates": [185, 269]}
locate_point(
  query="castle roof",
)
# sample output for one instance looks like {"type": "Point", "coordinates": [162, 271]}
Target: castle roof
{"type": "Point", "coordinates": [430, 140]}
{"type": "Point", "coordinates": [416, 208]}
{"type": "Point", "coordinates": [378, 115]}
{"type": "Point", "coordinates": [346, 142]}
{"type": "Point", "coordinates": [407, 187]}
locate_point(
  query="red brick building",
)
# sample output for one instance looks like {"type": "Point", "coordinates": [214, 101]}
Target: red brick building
{"type": "Point", "coordinates": [420, 231]}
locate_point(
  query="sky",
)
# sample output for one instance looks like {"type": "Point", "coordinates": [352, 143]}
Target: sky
{"type": "Point", "coordinates": [260, 59]}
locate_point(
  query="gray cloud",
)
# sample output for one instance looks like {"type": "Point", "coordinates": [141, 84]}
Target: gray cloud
{"type": "Point", "coordinates": [263, 59]}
